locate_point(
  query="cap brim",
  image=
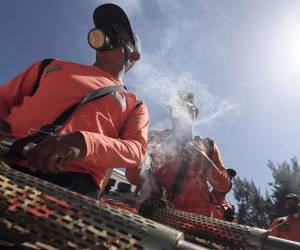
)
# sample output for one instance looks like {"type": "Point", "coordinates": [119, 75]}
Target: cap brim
{"type": "Point", "coordinates": [291, 196]}
{"type": "Point", "coordinates": [111, 14]}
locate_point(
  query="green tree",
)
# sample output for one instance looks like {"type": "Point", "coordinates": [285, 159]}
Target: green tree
{"type": "Point", "coordinates": [259, 210]}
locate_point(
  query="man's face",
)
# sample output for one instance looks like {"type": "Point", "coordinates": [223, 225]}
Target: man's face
{"type": "Point", "coordinates": [122, 55]}
{"type": "Point", "coordinates": [291, 205]}
{"type": "Point", "coordinates": [183, 111]}
{"type": "Point", "coordinates": [115, 57]}
{"type": "Point", "coordinates": [131, 55]}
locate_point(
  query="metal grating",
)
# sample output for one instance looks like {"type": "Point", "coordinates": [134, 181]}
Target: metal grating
{"type": "Point", "coordinates": [35, 214]}
{"type": "Point", "coordinates": [126, 202]}
{"type": "Point", "coordinates": [201, 230]}
{"type": "Point", "coordinates": [213, 233]}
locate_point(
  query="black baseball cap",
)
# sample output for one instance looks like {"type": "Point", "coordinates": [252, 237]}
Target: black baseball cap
{"type": "Point", "coordinates": [111, 14]}
{"type": "Point", "coordinates": [291, 196]}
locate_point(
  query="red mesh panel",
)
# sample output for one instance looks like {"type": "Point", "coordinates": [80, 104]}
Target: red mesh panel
{"type": "Point", "coordinates": [118, 202]}
{"type": "Point", "coordinates": [202, 230]}
{"type": "Point", "coordinates": [35, 214]}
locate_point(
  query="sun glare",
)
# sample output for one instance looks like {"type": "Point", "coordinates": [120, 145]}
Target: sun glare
{"type": "Point", "coordinates": [285, 48]}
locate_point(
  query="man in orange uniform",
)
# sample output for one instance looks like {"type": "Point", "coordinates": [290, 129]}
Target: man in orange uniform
{"type": "Point", "coordinates": [222, 208]}
{"type": "Point", "coordinates": [105, 133]}
{"type": "Point", "coordinates": [288, 227]}
{"type": "Point", "coordinates": [180, 163]}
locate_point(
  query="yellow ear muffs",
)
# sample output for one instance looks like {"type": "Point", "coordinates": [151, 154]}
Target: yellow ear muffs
{"type": "Point", "coordinates": [96, 38]}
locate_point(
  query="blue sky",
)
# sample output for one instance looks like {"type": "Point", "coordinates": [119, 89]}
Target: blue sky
{"type": "Point", "coordinates": [240, 58]}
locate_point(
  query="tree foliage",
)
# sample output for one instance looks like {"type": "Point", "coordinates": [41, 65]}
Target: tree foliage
{"type": "Point", "coordinates": [256, 209]}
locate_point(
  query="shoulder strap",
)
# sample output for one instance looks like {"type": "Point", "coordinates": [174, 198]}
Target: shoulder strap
{"type": "Point", "coordinates": [176, 187]}
{"type": "Point", "coordinates": [181, 172]}
{"type": "Point", "coordinates": [87, 98]}
{"type": "Point", "coordinates": [42, 66]}
{"type": "Point", "coordinates": [16, 149]}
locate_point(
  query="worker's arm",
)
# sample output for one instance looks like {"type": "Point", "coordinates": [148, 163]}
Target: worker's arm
{"type": "Point", "coordinates": [217, 174]}
{"type": "Point", "coordinates": [13, 91]}
{"type": "Point", "coordinates": [12, 94]}
{"type": "Point", "coordinates": [97, 150]}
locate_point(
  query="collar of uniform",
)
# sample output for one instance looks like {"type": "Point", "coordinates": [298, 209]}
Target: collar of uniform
{"type": "Point", "coordinates": [108, 75]}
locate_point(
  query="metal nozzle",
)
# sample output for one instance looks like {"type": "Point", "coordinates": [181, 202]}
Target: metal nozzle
{"type": "Point", "coordinates": [6, 144]}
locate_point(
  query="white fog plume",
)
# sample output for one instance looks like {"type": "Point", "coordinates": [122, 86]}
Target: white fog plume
{"type": "Point", "coordinates": [159, 86]}
{"type": "Point", "coordinates": [149, 183]}
{"type": "Point", "coordinates": [166, 151]}
{"type": "Point", "coordinates": [219, 111]}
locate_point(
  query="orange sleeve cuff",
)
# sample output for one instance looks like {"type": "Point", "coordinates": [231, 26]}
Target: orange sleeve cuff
{"type": "Point", "coordinates": [113, 153]}
{"type": "Point", "coordinates": [88, 142]}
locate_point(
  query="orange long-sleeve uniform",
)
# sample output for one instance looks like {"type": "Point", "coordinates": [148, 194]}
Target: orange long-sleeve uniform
{"type": "Point", "coordinates": [114, 127]}
{"type": "Point", "coordinates": [194, 194]}
{"type": "Point", "coordinates": [220, 205]}
{"type": "Point", "coordinates": [286, 228]}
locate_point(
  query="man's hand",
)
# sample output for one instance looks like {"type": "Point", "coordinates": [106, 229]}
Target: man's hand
{"type": "Point", "coordinates": [5, 133]}
{"type": "Point", "coordinates": [284, 227]}
{"type": "Point", "coordinates": [56, 152]}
